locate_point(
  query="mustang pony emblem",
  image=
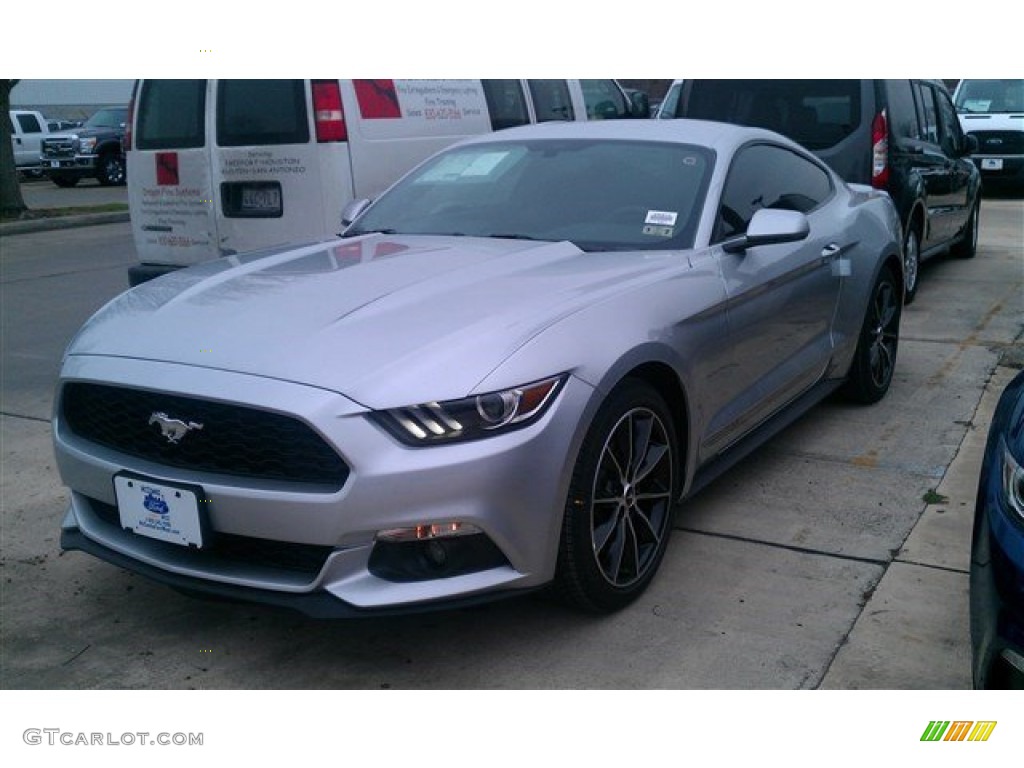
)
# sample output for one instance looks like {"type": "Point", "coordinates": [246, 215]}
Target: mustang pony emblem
{"type": "Point", "coordinates": [172, 429]}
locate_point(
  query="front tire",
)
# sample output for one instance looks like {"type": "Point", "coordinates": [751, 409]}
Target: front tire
{"type": "Point", "coordinates": [874, 360]}
{"type": "Point", "coordinates": [64, 181]}
{"type": "Point", "coordinates": [618, 515]}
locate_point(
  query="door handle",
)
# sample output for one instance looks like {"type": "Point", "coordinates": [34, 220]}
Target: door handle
{"type": "Point", "coordinates": [831, 250]}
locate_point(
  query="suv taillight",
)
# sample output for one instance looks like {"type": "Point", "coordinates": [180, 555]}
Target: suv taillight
{"type": "Point", "coordinates": [330, 117]}
{"type": "Point", "coordinates": [128, 122]}
{"type": "Point", "coordinates": [880, 151]}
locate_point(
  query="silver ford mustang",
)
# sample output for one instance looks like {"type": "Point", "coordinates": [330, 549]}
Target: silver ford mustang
{"type": "Point", "coordinates": [503, 375]}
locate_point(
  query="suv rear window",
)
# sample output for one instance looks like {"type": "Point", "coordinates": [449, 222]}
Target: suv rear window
{"type": "Point", "coordinates": [816, 113]}
{"type": "Point", "coordinates": [261, 112]}
{"type": "Point", "coordinates": [170, 114]}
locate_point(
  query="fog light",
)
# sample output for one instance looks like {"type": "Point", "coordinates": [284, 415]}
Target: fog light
{"type": "Point", "coordinates": [428, 531]}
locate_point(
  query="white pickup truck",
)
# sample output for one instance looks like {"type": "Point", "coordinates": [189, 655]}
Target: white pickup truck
{"type": "Point", "coordinates": [27, 131]}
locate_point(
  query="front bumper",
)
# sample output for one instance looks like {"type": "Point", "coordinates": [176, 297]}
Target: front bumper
{"type": "Point", "coordinates": [312, 549]}
{"type": "Point", "coordinates": [79, 164]}
{"type": "Point", "coordinates": [1000, 169]}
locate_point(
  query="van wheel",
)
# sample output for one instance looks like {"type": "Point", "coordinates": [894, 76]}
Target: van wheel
{"type": "Point", "coordinates": [968, 244]}
{"type": "Point", "coordinates": [110, 170]}
{"type": "Point", "coordinates": [875, 357]}
{"type": "Point", "coordinates": [618, 515]}
{"type": "Point", "coordinates": [911, 264]}
{"type": "Point", "coordinates": [64, 181]}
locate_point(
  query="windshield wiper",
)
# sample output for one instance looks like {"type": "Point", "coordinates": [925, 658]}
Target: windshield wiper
{"type": "Point", "coordinates": [513, 236]}
{"type": "Point", "coordinates": [358, 232]}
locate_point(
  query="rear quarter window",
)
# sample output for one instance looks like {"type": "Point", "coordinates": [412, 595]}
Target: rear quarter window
{"type": "Point", "coordinates": [261, 112]}
{"type": "Point", "coordinates": [171, 114]}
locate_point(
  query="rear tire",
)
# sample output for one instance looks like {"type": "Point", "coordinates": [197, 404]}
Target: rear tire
{"type": "Point", "coordinates": [911, 264]}
{"type": "Point", "coordinates": [618, 515]}
{"type": "Point", "coordinates": [874, 360]}
{"type": "Point", "coordinates": [110, 170]}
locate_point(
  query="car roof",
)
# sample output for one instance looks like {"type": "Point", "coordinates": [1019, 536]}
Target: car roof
{"type": "Point", "coordinates": [721, 137]}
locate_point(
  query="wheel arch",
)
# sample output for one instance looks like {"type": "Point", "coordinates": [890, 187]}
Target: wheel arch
{"type": "Point", "coordinates": [666, 381]}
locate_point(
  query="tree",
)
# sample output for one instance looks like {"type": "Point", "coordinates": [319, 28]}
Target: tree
{"type": "Point", "coordinates": [11, 201]}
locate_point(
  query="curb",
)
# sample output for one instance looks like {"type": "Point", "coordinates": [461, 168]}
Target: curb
{"type": "Point", "coordinates": [62, 222]}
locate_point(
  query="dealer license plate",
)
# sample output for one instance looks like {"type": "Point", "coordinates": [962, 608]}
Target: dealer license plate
{"type": "Point", "coordinates": [165, 512]}
{"type": "Point", "coordinates": [992, 164]}
{"type": "Point", "coordinates": [261, 199]}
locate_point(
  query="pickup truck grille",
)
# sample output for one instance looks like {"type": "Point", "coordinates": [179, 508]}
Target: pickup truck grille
{"type": "Point", "coordinates": [55, 148]}
{"type": "Point", "coordinates": [999, 142]}
{"type": "Point", "coordinates": [233, 440]}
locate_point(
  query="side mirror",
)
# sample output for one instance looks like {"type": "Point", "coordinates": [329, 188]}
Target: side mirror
{"type": "Point", "coordinates": [970, 144]}
{"type": "Point", "coordinates": [770, 226]}
{"type": "Point", "coordinates": [352, 211]}
{"type": "Point", "coordinates": [640, 104]}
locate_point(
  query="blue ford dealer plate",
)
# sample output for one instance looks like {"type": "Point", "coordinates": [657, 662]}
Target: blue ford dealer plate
{"type": "Point", "coordinates": [165, 512]}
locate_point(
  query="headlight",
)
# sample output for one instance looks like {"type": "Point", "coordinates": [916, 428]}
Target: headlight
{"type": "Point", "coordinates": [470, 418]}
{"type": "Point", "coordinates": [87, 145]}
{"type": "Point", "coordinates": [1013, 483]}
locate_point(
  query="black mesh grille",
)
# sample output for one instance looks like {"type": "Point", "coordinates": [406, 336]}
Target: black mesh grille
{"type": "Point", "coordinates": [233, 440]}
{"type": "Point", "coordinates": [308, 559]}
{"type": "Point", "coordinates": [58, 148]}
{"type": "Point", "coordinates": [1000, 142]}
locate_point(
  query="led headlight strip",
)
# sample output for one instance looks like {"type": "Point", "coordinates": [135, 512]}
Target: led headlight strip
{"type": "Point", "coordinates": [470, 418]}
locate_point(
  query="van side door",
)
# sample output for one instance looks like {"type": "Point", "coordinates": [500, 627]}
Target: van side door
{"type": "Point", "coordinates": [936, 167]}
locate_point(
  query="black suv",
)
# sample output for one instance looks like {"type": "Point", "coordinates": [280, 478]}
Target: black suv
{"type": "Point", "coordinates": [902, 136]}
{"type": "Point", "coordinates": [96, 150]}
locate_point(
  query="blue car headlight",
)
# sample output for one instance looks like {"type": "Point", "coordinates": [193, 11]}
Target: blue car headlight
{"type": "Point", "coordinates": [1013, 483]}
{"type": "Point", "coordinates": [470, 418]}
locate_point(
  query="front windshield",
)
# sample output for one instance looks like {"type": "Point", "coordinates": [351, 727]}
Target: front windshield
{"type": "Point", "coordinates": [989, 97]}
{"type": "Point", "coordinates": [599, 195]}
{"type": "Point", "coordinates": [107, 118]}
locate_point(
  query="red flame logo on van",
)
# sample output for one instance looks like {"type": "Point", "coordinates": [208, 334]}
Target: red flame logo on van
{"type": "Point", "coordinates": [377, 99]}
{"type": "Point", "coordinates": [167, 169]}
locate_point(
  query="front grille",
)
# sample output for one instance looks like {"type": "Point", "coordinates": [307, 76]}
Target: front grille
{"type": "Point", "coordinates": [307, 559]}
{"type": "Point", "coordinates": [58, 148]}
{"type": "Point", "coordinates": [233, 440]}
{"type": "Point", "coordinates": [999, 142]}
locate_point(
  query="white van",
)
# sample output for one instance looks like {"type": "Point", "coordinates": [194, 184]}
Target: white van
{"type": "Point", "coordinates": [993, 112]}
{"type": "Point", "coordinates": [220, 167]}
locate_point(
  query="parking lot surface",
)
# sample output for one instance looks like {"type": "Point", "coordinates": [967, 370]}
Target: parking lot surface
{"type": "Point", "coordinates": [834, 557]}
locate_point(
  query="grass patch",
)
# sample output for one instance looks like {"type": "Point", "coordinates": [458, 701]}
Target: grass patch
{"type": "Point", "coordinates": [74, 210]}
{"type": "Point", "coordinates": [932, 497]}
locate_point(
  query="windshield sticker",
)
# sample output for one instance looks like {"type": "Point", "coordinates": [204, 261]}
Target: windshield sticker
{"type": "Point", "coordinates": [657, 231]}
{"type": "Point", "coordinates": [664, 218]}
{"type": "Point", "coordinates": [458, 165]}
{"type": "Point", "coordinates": [977, 105]}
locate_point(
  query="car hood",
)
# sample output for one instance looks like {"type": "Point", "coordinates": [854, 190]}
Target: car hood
{"type": "Point", "coordinates": [386, 321]}
{"type": "Point", "coordinates": [81, 133]}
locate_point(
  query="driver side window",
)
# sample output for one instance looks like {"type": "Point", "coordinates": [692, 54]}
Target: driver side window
{"type": "Point", "coordinates": [767, 176]}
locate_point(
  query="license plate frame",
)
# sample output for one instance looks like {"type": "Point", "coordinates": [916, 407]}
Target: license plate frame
{"type": "Point", "coordinates": [168, 512]}
{"type": "Point", "coordinates": [252, 199]}
{"type": "Point", "coordinates": [991, 163]}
